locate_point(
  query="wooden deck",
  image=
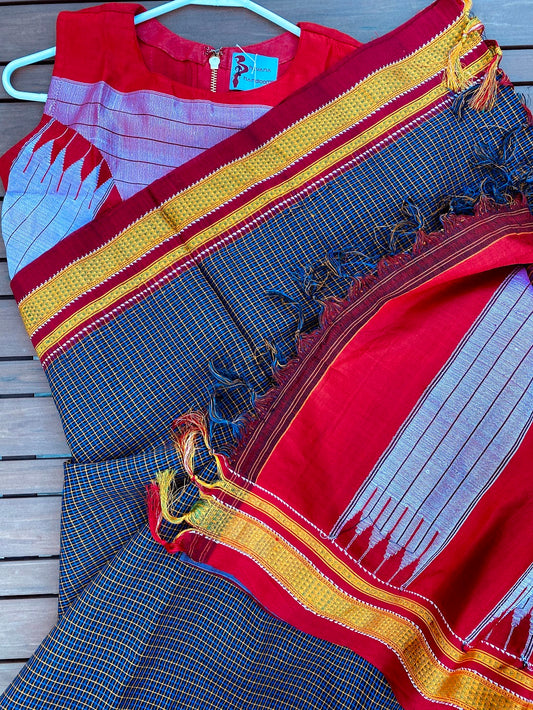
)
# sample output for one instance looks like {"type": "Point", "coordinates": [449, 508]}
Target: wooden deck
{"type": "Point", "coordinates": [32, 445]}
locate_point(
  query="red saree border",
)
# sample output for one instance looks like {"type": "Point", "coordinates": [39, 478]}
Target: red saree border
{"type": "Point", "coordinates": [363, 62]}
{"type": "Point", "coordinates": [250, 221]}
{"type": "Point", "coordinates": [261, 583]}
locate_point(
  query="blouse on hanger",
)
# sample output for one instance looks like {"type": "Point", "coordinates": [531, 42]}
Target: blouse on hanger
{"type": "Point", "coordinates": [127, 104]}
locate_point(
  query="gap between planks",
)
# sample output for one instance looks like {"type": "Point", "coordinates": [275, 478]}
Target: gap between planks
{"type": "Point", "coordinates": [30, 526]}
{"type": "Point", "coordinates": [31, 426]}
{"type": "Point", "coordinates": [8, 671]}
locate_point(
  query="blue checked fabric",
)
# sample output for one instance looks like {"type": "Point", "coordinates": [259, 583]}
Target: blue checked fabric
{"type": "Point", "coordinates": [139, 628]}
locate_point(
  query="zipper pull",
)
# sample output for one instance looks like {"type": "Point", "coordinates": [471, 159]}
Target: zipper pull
{"type": "Point", "coordinates": [214, 63]}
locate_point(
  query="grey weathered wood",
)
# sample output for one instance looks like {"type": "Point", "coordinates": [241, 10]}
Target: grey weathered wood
{"type": "Point", "coordinates": [23, 625]}
{"type": "Point", "coordinates": [8, 671]}
{"type": "Point", "coordinates": [17, 119]}
{"type": "Point", "coordinates": [31, 476]}
{"type": "Point", "coordinates": [27, 577]}
{"type": "Point", "coordinates": [5, 288]}
{"type": "Point", "coordinates": [364, 20]}
{"type": "Point", "coordinates": [26, 377]}
{"type": "Point", "coordinates": [14, 340]}
{"type": "Point", "coordinates": [31, 426]}
{"type": "Point", "coordinates": [29, 526]}
{"type": "Point", "coordinates": [518, 64]}
{"type": "Point", "coordinates": [32, 78]}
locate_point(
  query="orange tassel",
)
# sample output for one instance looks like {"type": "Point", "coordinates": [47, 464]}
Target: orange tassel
{"type": "Point", "coordinates": [484, 98]}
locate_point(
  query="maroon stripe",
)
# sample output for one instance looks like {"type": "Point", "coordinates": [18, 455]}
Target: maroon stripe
{"type": "Point", "coordinates": [365, 60]}
{"type": "Point", "coordinates": [225, 238]}
{"type": "Point", "coordinates": [223, 210]}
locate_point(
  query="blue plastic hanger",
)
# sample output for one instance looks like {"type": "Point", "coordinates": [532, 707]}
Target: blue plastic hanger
{"type": "Point", "coordinates": [148, 15]}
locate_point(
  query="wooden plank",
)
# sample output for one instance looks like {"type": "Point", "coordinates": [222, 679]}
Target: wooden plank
{"type": "Point", "coordinates": [32, 78]}
{"type": "Point", "coordinates": [227, 27]}
{"type": "Point", "coordinates": [31, 426]}
{"type": "Point", "coordinates": [5, 288]}
{"type": "Point", "coordinates": [8, 671]}
{"type": "Point", "coordinates": [16, 342]}
{"type": "Point", "coordinates": [518, 64]}
{"type": "Point", "coordinates": [23, 625]}
{"type": "Point", "coordinates": [17, 119]}
{"type": "Point", "coordinates": [29, 526]}
{"type": "Point", "coordinates": [27, 577]}
{"type": "Point", "coordinates": [22, 377]}
{"type": "Point", "coordinates": [31, 476]}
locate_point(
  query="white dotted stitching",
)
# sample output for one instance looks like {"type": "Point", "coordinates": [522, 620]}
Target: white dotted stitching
{"type": "Point", "coordinates": [399, 616]}
{"type": "Point", "coordinates": [380, 581]}
{"type": "Point", "coordinates": [255, 150]}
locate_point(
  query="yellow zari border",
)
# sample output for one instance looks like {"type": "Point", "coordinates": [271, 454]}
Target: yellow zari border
{"type": "Point", "coordinates": [304, 582]}
{"type": "Point", "coordinates": [218, 188]}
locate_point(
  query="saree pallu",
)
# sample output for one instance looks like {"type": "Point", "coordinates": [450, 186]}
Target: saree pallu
{"type": "Point", "coordinates": [380, 500]}
{"type": "Point", "coordinates": [190, 294]}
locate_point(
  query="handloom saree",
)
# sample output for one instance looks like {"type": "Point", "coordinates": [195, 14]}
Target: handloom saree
{"type": "Point", "coordinates": [380, 499]}
{"type": "Point", "coordinates": [190, 294]}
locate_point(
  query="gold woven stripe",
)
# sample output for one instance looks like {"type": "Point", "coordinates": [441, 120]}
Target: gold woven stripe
{"type": "Point", "coordinates": [467, 689]}
{"type": "Point", "coordinates": [218, 188]}
{"type": "Point", "coordinates": [121, 291]}
{"type": "Point", "coordinates": [354, 580]}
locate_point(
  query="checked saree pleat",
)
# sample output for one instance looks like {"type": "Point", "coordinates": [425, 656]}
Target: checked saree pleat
{"type": "Point", "coordinates": [194, 294]}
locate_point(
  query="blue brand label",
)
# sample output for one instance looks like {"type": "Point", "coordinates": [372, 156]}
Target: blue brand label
{"type": "Point", "coordinates": [249, 71]}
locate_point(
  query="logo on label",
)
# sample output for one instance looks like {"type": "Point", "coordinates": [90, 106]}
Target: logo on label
{"type": "Point", "coordinates": [240, 69]}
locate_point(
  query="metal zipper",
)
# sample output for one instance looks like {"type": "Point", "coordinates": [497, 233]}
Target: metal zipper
{"type": "Point", "coordinates": [214, 63]}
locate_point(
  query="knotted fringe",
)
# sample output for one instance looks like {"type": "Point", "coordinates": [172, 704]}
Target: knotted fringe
{"type": "Point", "coordinates": [186, 430]}
{"type": "Point", "coordinates": [360, 285]}
{"type": "Point", "coordinates": [161, 496]}
{"type": "Point", "coordinates": [507, 184]}
{"type": "Point", "coordinates": [484, 95]}
{"type": "Point", "coordinates": [155, 517]}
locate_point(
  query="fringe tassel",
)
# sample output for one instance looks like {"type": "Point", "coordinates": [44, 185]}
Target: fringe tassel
{"type": "Point", "coordinates": [155, 517]}
{"type": "Point", "coordinates": [167, 495]}
{"type": "Point", "coordinates": [456, 77]}
{"type": "Point", "coordinates": [484, 98]}
{"type": "Point", "coordinates": [185, 431]}
{"type": "Point", "coordinates": [160, 496]}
